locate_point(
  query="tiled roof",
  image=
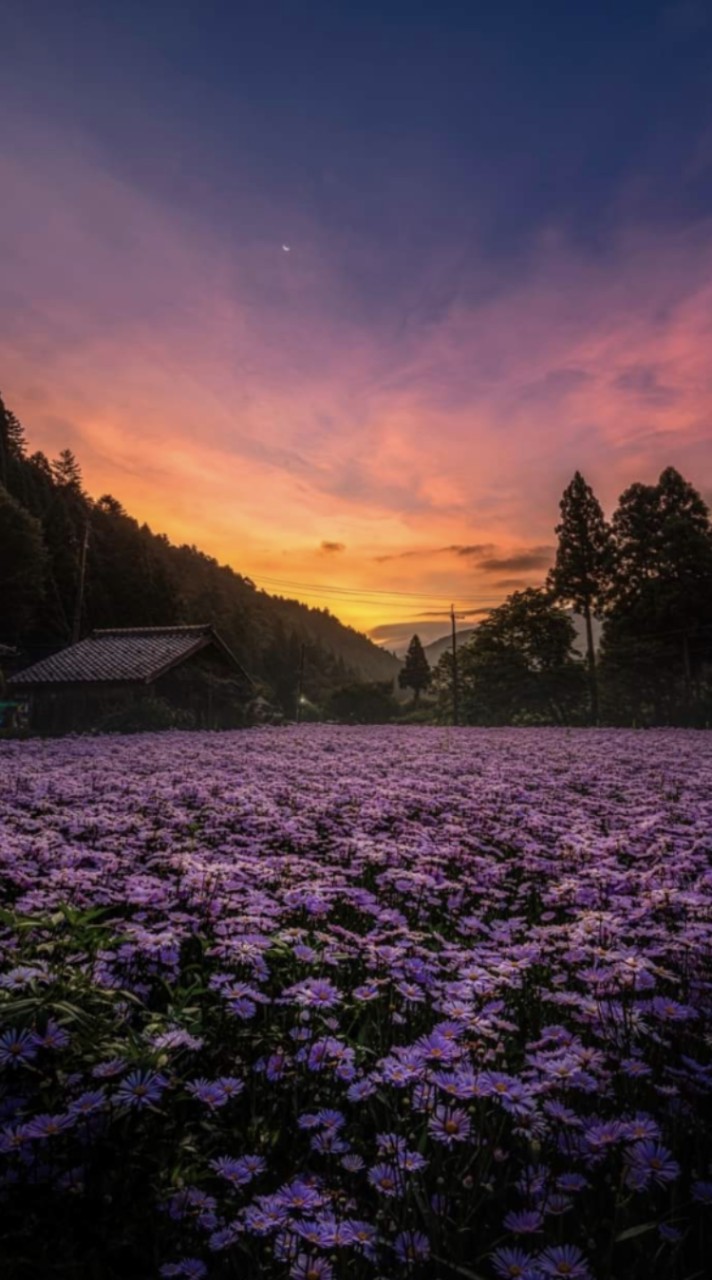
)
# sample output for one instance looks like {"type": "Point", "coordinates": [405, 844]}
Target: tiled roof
{"type": "Point", "coordinates": [131, 654]}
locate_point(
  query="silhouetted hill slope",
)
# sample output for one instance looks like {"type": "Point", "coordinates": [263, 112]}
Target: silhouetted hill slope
{"type": "Point", "coordinates": [135, 577]}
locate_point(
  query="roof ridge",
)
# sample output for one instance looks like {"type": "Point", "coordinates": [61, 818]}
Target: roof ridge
{"type": "Point", "coordinates": [179, 628]}
{"type": "Point", "coordinates": [116, 655]}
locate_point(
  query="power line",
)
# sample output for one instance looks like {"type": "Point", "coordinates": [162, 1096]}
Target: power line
{"type": "Point", "coordinates": [365, 591]}
{"type": "Point", "coordinates": [341, 590]}
{"type": "Point", "coordinates": [408, 610]}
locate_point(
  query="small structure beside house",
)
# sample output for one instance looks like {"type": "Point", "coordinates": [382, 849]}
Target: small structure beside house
{"type": "Point", "coordinates": [121, 678]}
{"type": "Point", "coordinates": [10, 708]}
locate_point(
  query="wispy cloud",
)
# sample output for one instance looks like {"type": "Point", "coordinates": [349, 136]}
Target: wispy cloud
{"type": "Point", "coordinates": [236, 396]}
{"type": "Point", "coordinates": [520, 562]}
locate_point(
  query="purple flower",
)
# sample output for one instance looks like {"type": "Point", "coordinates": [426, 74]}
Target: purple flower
{"type": "Point", "coordinates": [328, 1142]}
{"type": "Point", "coordinates": [602, 1135]}
{"type": "Point", "coordinates": [314, 993]}
{"type": "Point", "coordinates": [17, 1048]}
{"type": "Point", "coordinates": [14, 1137]}
{"type": "Point", "coordinates": [571, 1182]}
{"type": "Point", "coordinates": [53, 1037]}
{"type": "Point", "coordinates": [239, 1171]}
{"type": "Point", "coordinates": [309, 1267]}
{"type": "Point", "coordinates": [48, 1126]}
{"type": "Point", "coordinates": [512, 1264]}
{"type": "Point", "coordinates": [209, 1092]}
{"type": "Point", "coordinates": [330, 1119]}
{"type": "Point", "coordinates": [299, 1196]}
{"type": "Point", "coordinates": [193, 1268]}
{"type": "Point", "coordinates": [177, 1038]}
{"type": "Point", "coordinates": [650, 1162]}
{"type": "Point", "coordinates": [640, 1128]}
{"type": "Point", "coordinates": [670, 1011]}
{"type": "Point", "coordinates": [411, 1246]}
{"type": "Point", "coordinates": [564, 1260]}
{"type": "Point", "coordinates": [449, 1125]}
{"type": "Point", "coordinates": [361, 1089]}
{"type": "Point", "coordinates": [141, 1089]}
{"type": "Point", "coordinates": [523, 1222]}
{"type": "Point", "coordinates": [106, 1070]}
{"type": "Point", "coordinates": [231, 1086]}
{"type": "Point", "coordinates": [87, 1103]}
{"type": "Point", "coordinates": [388, 1180]}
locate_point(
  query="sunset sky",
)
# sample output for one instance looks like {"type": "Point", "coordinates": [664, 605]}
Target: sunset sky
{"type": "Point", "coordinates": [344, 293]}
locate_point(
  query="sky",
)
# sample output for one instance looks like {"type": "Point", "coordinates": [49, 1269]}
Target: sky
{"type": "Point", "coordinates": [344, 293]}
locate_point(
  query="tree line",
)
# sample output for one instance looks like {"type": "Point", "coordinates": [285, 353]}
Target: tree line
{"type": "Point", "coordinates": [641, 582]}
{"type": "Point", "coordinates": [644, 579]}
{"type": "Point", "coordinates": [134, 577]}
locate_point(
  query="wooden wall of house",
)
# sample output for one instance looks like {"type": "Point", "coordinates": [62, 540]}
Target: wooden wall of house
{"type": "Point", "coordinates": [206, 687]}
{"type": "Point", "coordinates": [78, 708]}
{"type": "Point", "coordinates": [209, 688]}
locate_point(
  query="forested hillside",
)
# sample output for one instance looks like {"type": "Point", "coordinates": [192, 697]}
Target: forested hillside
{"type": "Point", "coordinates": [135, 577]}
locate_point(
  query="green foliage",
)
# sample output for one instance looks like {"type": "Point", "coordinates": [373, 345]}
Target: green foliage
{"type": "Point", "coordinates": [584, 559]}
{"type": "Point", "coordinates": [519, 666]}
{"type": "Point", "coordinates": [584, 554]}
{"type": "Point", "coordinates": [416, 673]}
{"type": "Point", "coordinates": [146, 715]}
{"type": "Point", "coordinates": [363, 703]}
{"type": "Point", "coordinates": [22, 566]}
{"type": "Point", "coordinates": [657, 639]}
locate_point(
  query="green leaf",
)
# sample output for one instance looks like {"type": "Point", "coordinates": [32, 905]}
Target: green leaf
{"type": "Point", "coordinates": [632, 1232]}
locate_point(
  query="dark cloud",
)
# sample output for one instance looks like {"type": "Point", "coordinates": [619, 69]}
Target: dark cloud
{"type": "Point", "coordinates": [458, 549]}
{"type": "Point", "coordinates": [332, 546]}
{"type": "Point", "coordinates": [521, 562]}
{"type": "Point", "coordinates": [459, 613]}
{"type": "Point", "coordinates": [473, 549]}
{"type": "Point", "coordinates": [642, 381]}
{"type": "Point", "coordinates": [511, 584]}
{"type": "Point", "coordinates": [401, 555]}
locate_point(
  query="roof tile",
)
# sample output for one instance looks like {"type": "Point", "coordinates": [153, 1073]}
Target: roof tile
{"type": "Point", "coordinates": [129, 654]}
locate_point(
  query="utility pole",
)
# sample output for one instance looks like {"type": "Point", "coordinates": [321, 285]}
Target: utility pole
{"type": "Point", "coordinates": [300, 683]}
{"type": "Point", "coordinates": [455, 684]}
{"type": "Point", "coordinates": [79, 602]}
{"type": "Point", "coordinates": [687, 666]}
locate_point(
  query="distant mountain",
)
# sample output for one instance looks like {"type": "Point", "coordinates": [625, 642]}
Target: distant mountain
{"type": "Point", "coordinates": [435, 650]}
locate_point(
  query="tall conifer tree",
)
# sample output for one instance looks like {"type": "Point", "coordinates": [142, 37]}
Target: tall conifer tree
{"type": "Point", "coordinates": [416, 673]}
{"type": "Point", "coordinates": [583, 564]}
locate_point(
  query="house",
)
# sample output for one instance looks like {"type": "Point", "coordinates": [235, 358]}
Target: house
{"type": "Point", "coordinates": [136, 677]}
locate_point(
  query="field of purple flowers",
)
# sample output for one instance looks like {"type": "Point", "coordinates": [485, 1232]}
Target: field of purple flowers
{"type": "Point", "coordinates": [326, 1002]}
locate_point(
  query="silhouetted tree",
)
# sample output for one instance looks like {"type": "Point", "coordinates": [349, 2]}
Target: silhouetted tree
{"type": "Point", "coordinates": [66, 471]}
{"type": "Point", "coordinates": [657, 638]}
{"type": "Point", "coordinates": [366, 702]}
{"type": "Point", "coordinates": [12, 449]}
{"type": "Point", "coordinates": [416, 673]}
{"type": "Point", "coordinates": [22, 567]}
{"type": "Point", "coordinates": [519, 666]}
{"type": "Point", "coordinates": [583, 564]}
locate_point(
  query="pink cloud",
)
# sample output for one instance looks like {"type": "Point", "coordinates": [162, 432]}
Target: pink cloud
{"type": "Point", "coordinates": [228, 393]}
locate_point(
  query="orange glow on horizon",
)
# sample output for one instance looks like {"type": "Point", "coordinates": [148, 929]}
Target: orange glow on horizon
{"type": "Point", "coordinates": [234, 402]}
